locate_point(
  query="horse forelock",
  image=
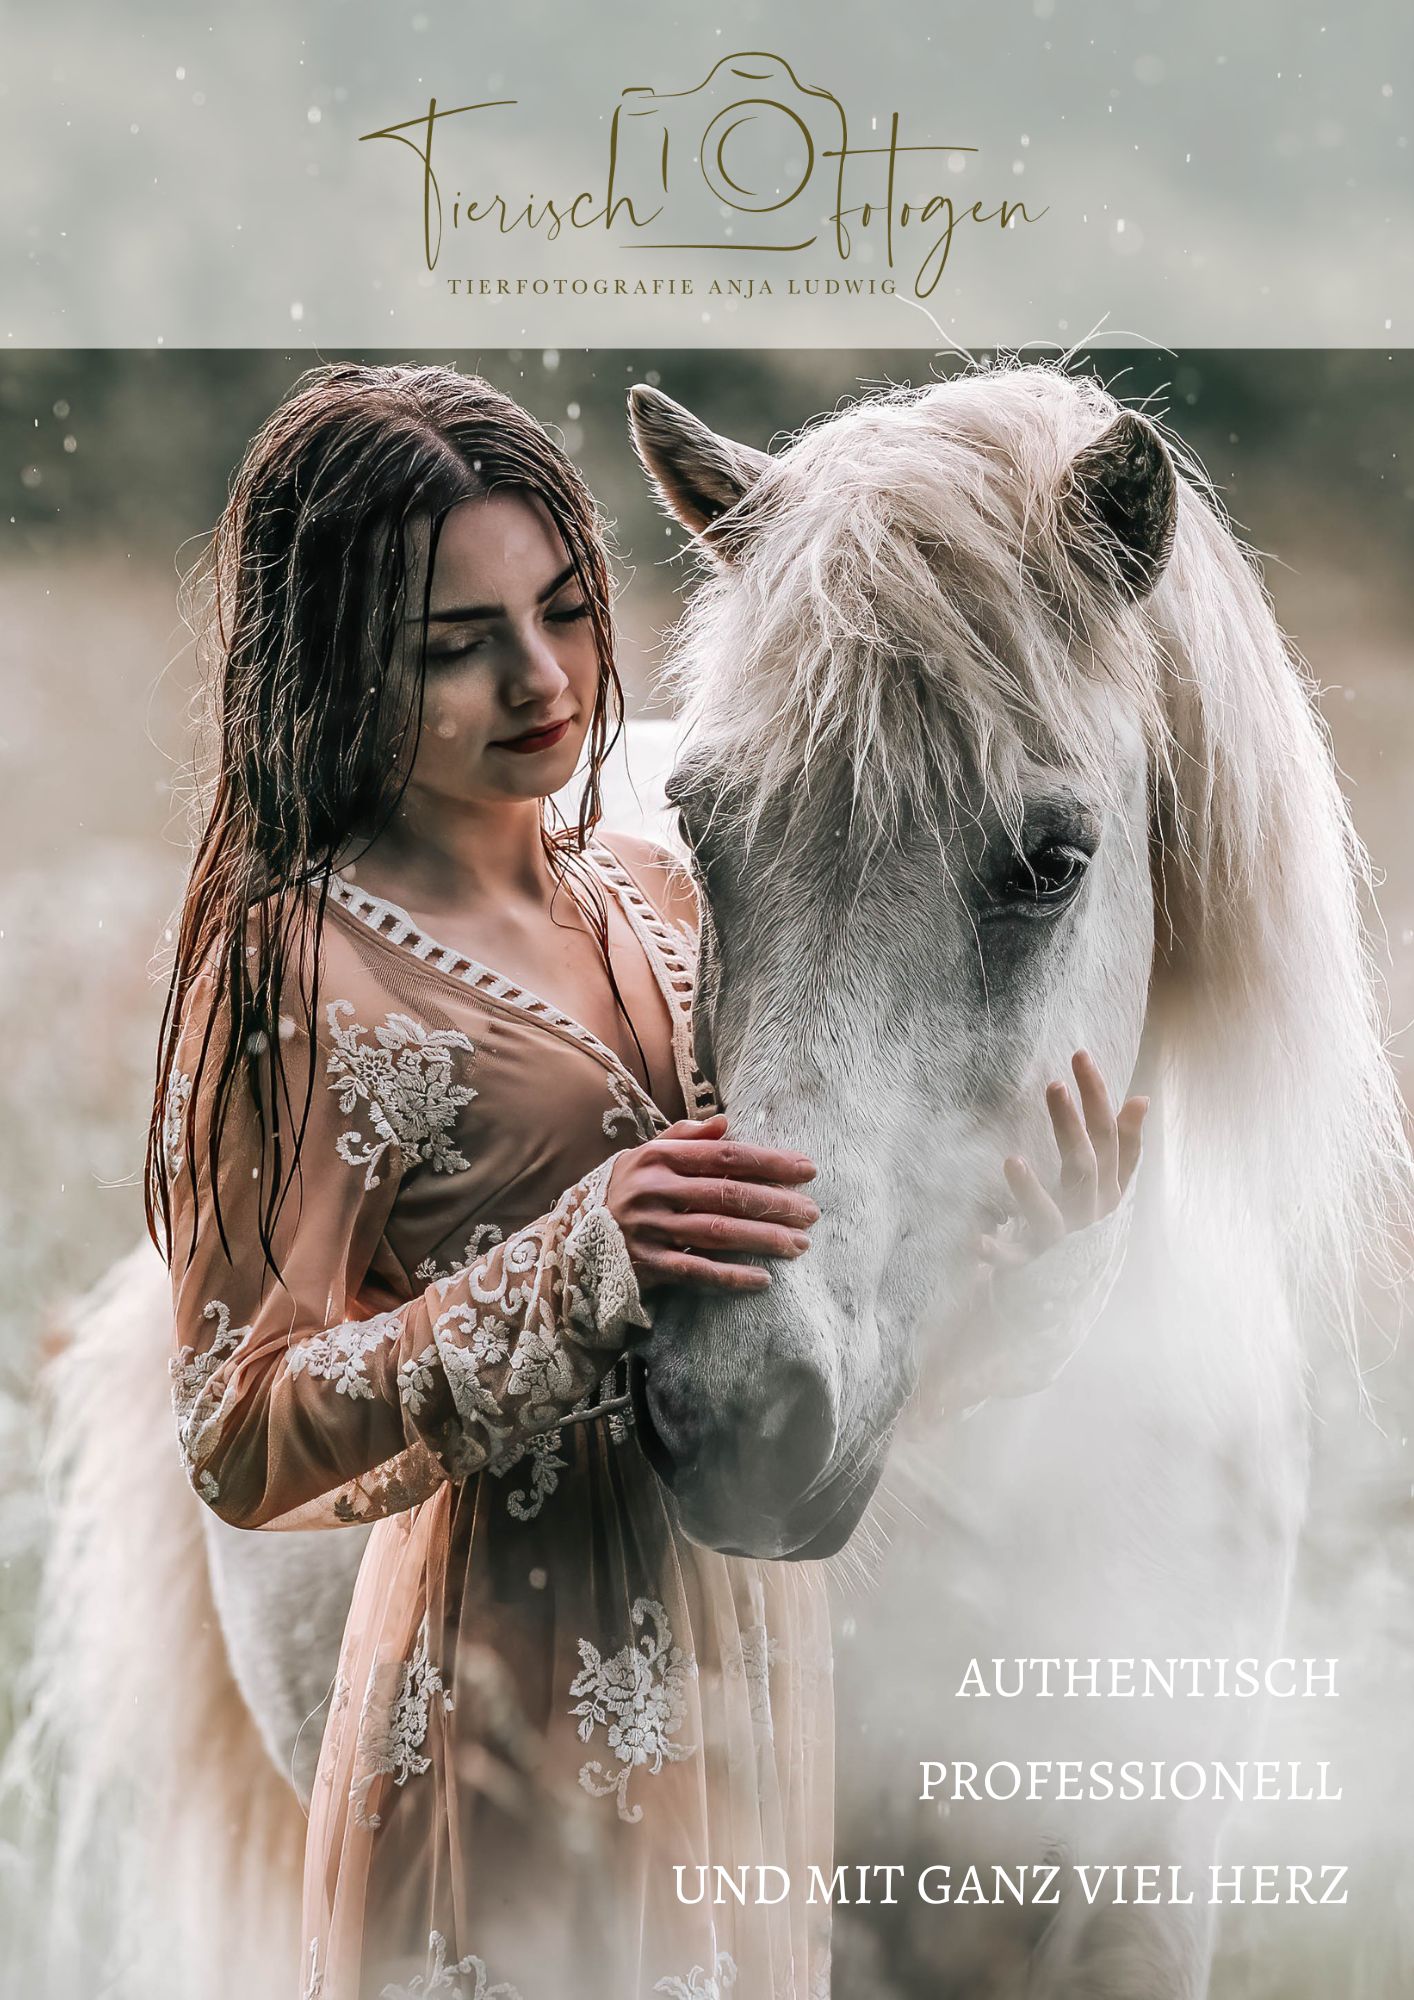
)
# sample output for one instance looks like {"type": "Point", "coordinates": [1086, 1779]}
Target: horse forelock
{"type": "Point", "coordinates": [916, 618]}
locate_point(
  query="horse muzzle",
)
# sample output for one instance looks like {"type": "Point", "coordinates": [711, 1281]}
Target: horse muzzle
{"type": "Point", "coordinates": [752, 1465]}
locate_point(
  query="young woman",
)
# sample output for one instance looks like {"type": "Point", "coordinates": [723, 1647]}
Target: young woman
{"type": "Point", "coordinates": [429, 1134]}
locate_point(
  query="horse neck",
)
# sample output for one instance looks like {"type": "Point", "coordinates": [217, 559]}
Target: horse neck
{"type": "Point", "coordinates": [1207, 1282]}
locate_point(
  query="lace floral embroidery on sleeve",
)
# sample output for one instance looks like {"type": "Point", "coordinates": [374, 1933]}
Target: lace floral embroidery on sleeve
{"type": "Point", "coordinates": [630, 1111]}
{"type": "Point", "coordinates": [193, 1371]}
{"type": "Point", "coordinates": [484, 1237]}
{"type": "Point", "coordinates": [513, 1347]}
{"type": "Point", "coordinates": [464, 1341]}
{"type": "Point", "coordinates": [604, 1289]}
{"type": "Point", "coordinates": [340, 1355]}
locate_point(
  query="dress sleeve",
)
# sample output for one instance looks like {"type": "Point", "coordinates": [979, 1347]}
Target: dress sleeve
{"type": "Point", "coordinates": [296, 1410]}
{"type": "Point", "coordinates": [1030, 1320]}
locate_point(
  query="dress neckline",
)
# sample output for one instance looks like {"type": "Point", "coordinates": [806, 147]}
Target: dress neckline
{"type": "Point", "coordinates": [668, 951]}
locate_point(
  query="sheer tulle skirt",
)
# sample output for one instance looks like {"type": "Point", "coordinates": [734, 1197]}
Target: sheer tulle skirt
{"type": "Point", "coordinates": [555, 1721]}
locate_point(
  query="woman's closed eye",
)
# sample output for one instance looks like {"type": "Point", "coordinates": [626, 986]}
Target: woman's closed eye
{"type": "Point", "coordinates": [475, 642]}
{"type": "Point", "coordinates": [440, 655]}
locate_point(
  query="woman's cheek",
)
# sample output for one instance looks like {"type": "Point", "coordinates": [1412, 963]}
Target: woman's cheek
{"type": "Point", "coordinates": [451, 737]}
{"type": "Point", "coordinates": [442, 723]}
{"type": "Point", "coordinates": [582, 673]}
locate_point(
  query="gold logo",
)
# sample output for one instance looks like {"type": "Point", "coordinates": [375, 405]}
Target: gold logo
{"type": "Point", "coordinates": [749, 161]}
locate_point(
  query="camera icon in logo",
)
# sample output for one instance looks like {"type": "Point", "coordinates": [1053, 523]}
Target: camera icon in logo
{"type": "Point", "coordinates": [748, 159]}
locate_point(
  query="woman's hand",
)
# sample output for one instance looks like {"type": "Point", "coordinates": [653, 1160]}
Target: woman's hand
{"type": "Point", "coordinates": [692, 1196]}
{"type": "Point", "coordinates": [1099, 1151]}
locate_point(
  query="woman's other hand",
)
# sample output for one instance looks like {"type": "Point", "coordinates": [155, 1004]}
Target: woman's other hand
{"type": "Point", "coordinates": [1099, 1151]}
{"type": "Point", "coordinates": [691, 1199]}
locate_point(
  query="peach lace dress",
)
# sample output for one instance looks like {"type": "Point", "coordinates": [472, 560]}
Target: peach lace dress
{"type": "Point", "coordinates": [548, 1700]}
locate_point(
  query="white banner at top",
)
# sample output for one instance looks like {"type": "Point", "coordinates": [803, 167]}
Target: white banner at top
{"type": "Point", "coordinates": [345, 173]}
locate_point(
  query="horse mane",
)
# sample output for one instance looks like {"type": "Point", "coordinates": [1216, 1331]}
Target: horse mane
{"type": "Point", "coordinates": [919, 607]}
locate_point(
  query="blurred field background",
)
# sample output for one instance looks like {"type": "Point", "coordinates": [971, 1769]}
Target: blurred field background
{"type": "Point", "coordinates": [113, 467]}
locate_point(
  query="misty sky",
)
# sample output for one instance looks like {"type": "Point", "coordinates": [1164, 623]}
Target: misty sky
{"type": "Point", "coordinates": [195, 176]}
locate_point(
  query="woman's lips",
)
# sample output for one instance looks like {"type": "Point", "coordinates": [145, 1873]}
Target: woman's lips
{"type": "Point", "coordinates": [534, 739]}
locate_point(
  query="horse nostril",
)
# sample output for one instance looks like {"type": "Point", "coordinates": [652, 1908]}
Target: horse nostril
{"type": "Point", "coordinates": [797, 1425]}
{"type": "Point", "coordinates": [775, 1437]}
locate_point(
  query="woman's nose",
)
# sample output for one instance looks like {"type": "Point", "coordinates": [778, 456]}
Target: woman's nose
{"type": "Point", "coordinates": [536, 674]}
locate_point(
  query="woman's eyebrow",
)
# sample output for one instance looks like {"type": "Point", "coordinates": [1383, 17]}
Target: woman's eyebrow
{"type": "Point", "coordinates": [464, 614]}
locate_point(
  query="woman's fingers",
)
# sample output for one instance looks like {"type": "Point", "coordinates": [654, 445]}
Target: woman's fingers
{"type": "Point", "coordinates": [726, 1233]}
{"type": "Point", "coordinates": [1079, 1175]}
{"type": "Point", "coordinates": [1040, 1214]}
{"type": "Point", "coordinates": [730, 1159]}
{"type": "Point", "coordinates": [678, 1267]}
{"type": "Point", "coordinates": [1099, 1152]}
{"type": "Point", "coordinates": [759, 1201]}
{"type": "Point", "coordinates": [1099, 1124]}
{"type": "Point", "coordinates": [690, 1199]}
{"type": "Point", "coordinates": [696, 1128]}
{"type": "Point", "coordinates": [1130, 1124]}
{"type": "Point", "coordinates": [1003, 1255]}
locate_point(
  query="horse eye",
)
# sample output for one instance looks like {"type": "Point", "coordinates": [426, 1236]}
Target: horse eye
{"type": "Point", "coordinates": [1047, 875]}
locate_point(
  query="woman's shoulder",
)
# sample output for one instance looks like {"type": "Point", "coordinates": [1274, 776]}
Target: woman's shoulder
{"type": "Point", "coordinates": [661, 875]}
{"type": "Point", "coordinates": [313, 965]}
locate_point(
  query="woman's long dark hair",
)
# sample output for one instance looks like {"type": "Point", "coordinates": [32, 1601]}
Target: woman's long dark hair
{"type": "Point", "coordinates": [308, 572]}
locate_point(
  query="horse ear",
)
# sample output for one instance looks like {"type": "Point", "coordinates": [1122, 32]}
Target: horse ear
{"type": "Point", "coordinates": [698, 476]}
{"type": "Point", "coordinates": [1125, 485]}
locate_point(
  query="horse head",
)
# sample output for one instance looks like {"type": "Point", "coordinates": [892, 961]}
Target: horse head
{"type": "Point", "coordinates": [981, 699]}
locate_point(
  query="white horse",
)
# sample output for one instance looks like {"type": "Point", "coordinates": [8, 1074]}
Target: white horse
{"type": "Point", "coordinates": [993, 750]}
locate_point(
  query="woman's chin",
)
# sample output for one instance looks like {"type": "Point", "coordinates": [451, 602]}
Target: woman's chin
{"type": "Point", "coordinates": [541, 778]}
